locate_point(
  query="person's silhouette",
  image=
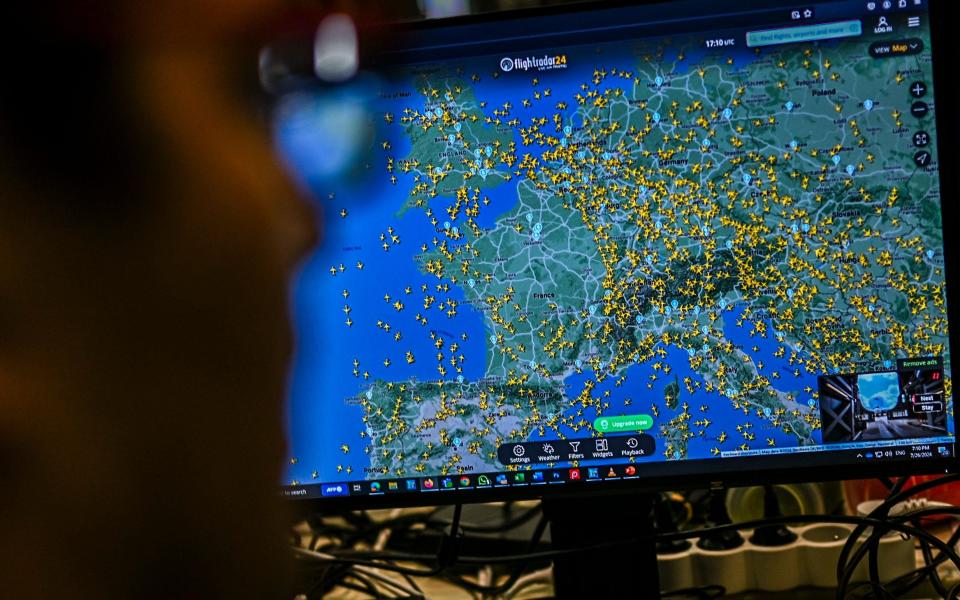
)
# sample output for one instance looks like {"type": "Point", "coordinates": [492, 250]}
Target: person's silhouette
{"type": "Point", "coordinates": [146, 240]}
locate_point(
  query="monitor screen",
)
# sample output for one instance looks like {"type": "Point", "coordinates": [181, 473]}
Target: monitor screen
{"type": "Point", "coordinates": [635, 246]}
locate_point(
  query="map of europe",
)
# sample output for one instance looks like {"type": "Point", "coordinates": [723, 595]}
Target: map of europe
{"type": "Point", "coordinates": [650, 229]}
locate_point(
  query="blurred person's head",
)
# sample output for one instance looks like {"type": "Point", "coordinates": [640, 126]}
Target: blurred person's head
{"type": "Point", "coordinates": [146, 241]}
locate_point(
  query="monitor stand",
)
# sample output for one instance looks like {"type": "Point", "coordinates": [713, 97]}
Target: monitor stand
{"type": "Point", "coordinates": [628, 570]}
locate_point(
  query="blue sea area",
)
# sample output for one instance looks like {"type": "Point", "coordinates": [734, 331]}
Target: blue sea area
{"type": "Point", "coordinates": [766, 349]}
{"type": "Point", "coordinates": [321, 416]}
{"type": "Point", "coordinates": [720, 412]}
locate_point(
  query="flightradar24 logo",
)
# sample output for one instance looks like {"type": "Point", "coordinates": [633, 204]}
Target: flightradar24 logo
{"type": "Point", "coordinates": [536, 63]}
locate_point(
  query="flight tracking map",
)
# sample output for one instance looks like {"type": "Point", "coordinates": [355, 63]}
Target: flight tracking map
{"type": "Point", "coordinates": [653, 237]}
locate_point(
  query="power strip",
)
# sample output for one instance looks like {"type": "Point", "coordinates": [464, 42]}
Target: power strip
{"type": "Point", "coordinates": [810, 561]}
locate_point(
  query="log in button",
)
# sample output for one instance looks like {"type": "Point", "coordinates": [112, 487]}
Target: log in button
{"type": "Point", "coordinates": [898, 48]}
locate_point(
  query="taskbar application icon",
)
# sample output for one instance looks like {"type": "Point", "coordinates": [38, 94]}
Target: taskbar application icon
{"type": "Point", "coordinates": [488, 480]}
{"type": "Point", "coordinates": [389, 486]}
{"type": "Point", "coordinates": [520, 478]}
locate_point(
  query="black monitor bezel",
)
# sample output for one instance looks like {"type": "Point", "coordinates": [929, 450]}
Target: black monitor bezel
{"type": "Point", "coordinates": [736, 471]}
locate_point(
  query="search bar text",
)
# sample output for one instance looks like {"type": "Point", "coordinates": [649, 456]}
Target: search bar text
{"type": "Point", "coordinates": [808, 33]}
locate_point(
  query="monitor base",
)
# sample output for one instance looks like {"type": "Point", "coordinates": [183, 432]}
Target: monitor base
{"type": "Point", "coordinates": [623, 571]}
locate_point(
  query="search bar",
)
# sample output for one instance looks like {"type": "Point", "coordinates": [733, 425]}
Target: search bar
{"type": "Point", "coordinates": [807, 33]}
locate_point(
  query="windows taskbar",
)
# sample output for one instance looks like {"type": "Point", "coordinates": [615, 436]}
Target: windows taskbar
{"type": "Point", "coordinates": [573, 476]}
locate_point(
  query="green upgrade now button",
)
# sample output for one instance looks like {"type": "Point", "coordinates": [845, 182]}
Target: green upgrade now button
{"type": "Point", "coordinates": [621, 424]}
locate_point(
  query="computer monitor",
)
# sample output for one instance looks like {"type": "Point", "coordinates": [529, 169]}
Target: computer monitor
{"type": "Point", "coordinates": [644, 246]}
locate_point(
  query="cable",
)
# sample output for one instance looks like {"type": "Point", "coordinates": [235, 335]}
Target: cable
{"type": "Point", "coordinates": [859, 554]}
{"type": "Point", "coordinates": [515, 575]}
{"type": "Point", "coordinates": [412, 583]}
{"type": "Point", "coordinates": [408, 592]}
{"type": "Point", "coordinates": [331, 559]}
{"type": "Point", "coordinates": [543, 577]}
{"type": "Point", "coordinates": [845, 565]}
{"type": "Point", "coordinates": [361, 528]}
{"type": "Point", "coordinates": [928, 559]}
{"type": "Point", "coordinates": [412, 591]}
{"type": "Point", "coordinates": [954, 592]}
{"type": "Point", "coordinates": [512, 580]}
{"type": "Point", "coordinates": [450, 542]}
{"type": "Point", "coordinates": [874, 542]}
{"type": "Point", "coordinates": [517, 521]}
{"type": "Point", "coordinates": [367, 588]}
{"type": "Point", "coordinates": [329, 576]}
{"type": "Point", "coordinates": [447, 554]}
{"type": "Point", "coordinates": [445, 557]}
{"type": "Point", "coordinates": [895, 524]}
{"type": "Point", "coordinates": [844, 568]}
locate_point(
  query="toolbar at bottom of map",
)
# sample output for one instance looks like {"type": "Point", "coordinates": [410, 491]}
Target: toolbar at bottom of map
{"type": "Point", "coordinates": [599, 448]}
